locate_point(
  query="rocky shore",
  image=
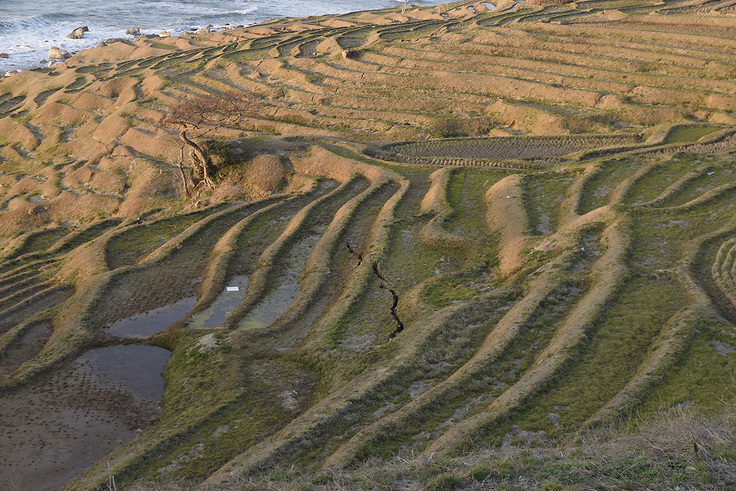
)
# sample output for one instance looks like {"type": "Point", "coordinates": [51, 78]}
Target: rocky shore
{"type": "Point", "coordinates": [57, 55]}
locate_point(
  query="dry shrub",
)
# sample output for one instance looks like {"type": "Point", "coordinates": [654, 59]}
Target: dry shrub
{"type": "Point", "coordinates": [267, 173]}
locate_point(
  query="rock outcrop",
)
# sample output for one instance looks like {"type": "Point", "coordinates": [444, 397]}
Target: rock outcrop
{"type": "Point", "coordinates": [57, 53]}
{"type": "Point", "coordinates": [78, 32]}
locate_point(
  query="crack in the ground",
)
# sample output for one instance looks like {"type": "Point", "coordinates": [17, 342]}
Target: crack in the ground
{"type": "Point", "coordinates": [386, 285]}
{"type": "Point", "coordinates": [355, 253]}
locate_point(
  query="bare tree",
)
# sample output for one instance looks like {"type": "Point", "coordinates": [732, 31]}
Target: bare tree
{"type": "Point", "coordinates": [203, 114]}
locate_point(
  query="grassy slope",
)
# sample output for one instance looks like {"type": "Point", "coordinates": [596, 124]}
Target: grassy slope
{"type": "Point", "coordinates": [566, 301]}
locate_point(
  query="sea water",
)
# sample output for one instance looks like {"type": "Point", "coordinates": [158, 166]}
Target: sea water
{"type": "Point", "coordinates": [28, 28]}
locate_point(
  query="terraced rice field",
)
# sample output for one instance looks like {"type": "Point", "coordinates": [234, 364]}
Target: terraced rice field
{"type": "Point", "coordinates": [492, 230]}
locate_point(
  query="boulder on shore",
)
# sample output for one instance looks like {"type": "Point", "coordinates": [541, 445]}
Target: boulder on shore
{"type": "Point", "coordinates": [133, 31]}
{"type": "Point", "coordinates": [57, 53]}
{"type": "Point", "coordinates": [78, 32]}
{"type": "Point", "coordinates": [3, 55]}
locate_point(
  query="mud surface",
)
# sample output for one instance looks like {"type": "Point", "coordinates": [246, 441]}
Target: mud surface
{"type": "Point", "coordinates": [223, 306]}
{"type": "Point", "coordinates": [54, 428]}
{"type": "Point", "coordinates": [278, 300]}
{"type": "Point", "coordinates": [149, 323]}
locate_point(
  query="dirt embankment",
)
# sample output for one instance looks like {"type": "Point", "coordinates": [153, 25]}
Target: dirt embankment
{"type": "Point", "coordinates": [507, 216]}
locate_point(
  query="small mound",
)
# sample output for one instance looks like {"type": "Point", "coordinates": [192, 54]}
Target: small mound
{"type": "Point", "coordinates": [267, 173]}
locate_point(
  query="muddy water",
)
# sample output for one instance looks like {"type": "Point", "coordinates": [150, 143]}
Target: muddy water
{"type": "Point", "coordinates": [278, 299]}
{"type": "Point", "coordinates": [64, 423]}
{"type": "Point", "coordinates": [149, 323]}
{"type": "Point", "coordinates": [223, 306]}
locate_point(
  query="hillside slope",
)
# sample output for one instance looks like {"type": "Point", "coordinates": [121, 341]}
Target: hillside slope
{"type": "Point", "coordinates": [452, 247]}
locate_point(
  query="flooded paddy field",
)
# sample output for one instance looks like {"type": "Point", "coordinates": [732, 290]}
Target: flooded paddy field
{"type": "Point", "coordinates": [56, 427]}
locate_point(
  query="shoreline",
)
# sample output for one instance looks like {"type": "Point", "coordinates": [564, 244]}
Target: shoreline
{"type": "Point", "coordinates": [31, 53]}
{"type": "Point", "coordinates": [142, 46]}
{"type": "Point", "coordinates": [49, 62]}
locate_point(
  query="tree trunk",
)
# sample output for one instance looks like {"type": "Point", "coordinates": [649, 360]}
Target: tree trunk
{"type": "Point", "coordinates": [201, 156]}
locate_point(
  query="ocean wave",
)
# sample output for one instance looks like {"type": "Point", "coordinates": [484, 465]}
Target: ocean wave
{"type": "Point", "coordinates": [12, 26]}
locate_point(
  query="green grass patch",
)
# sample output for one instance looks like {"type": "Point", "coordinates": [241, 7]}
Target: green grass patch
{"type": "Point", "coordinates": [655, 182]}
{"type": "Point", "coordinates": [457, 343]}
{"type": "Point", "coordinates": [466, 195]}
{"type": "Point", "coordinates": [660, 240]}
{"type": "Point", "coordinates": [543, 194]}
{"type": "Point", "coordinates": [130, 247]}
{"type": "Point", "coordinates": [41, 241]}
{"type": "Point", "coordinates": [721, 173]}
{"type": "Point", "coordinates": [442, 294]}
{"type": "Point", "coordinates": [619, 343]}
{"type": "Point", "coordinates": [688, 134]}
{"type": "Point", "coordinates": [598, 188]}
{"type": "Point", "coordinates": [704, 377]}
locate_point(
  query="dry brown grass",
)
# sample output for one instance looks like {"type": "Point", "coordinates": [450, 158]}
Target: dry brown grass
{"type": "Point", "coordinates": [506, 215]}
{"type": "Point", "coordinates": [85, 141]}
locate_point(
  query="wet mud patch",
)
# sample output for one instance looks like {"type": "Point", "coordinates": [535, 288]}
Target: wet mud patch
{"type": "Point", "coordinates": [223, 306]}
{"type": "Point", "coordinates": [165, 282]}
{"type": "Point", "coordinates": [344, 260]}
{"type": "Point", "coordinates": [287, 275]}
{"type": "Point", "coordinates": [57, 426]}
{"type": "Point", "coordinates": [264, 231]}
{"type": "Point", "coordinates": [153, 321]}
{"type": "Point", "coordinates": [175, 277]}
{"type": "Point", "coordinates": [278, 300]}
